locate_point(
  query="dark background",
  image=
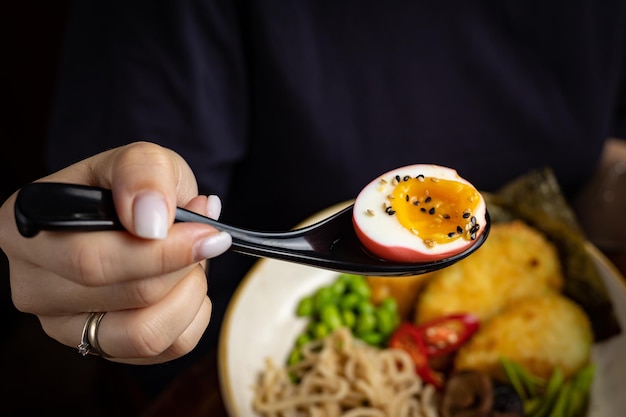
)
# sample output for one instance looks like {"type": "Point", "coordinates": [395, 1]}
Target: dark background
{"type": "Point", "coordinates": [39, 375]}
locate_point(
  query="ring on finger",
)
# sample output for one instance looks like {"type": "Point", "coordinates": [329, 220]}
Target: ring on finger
{"type": "Point", "coordinates": [89, 338]}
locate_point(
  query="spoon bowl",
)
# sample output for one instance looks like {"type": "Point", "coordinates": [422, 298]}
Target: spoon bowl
{"type": "Point", "coordinates": [330, 243]}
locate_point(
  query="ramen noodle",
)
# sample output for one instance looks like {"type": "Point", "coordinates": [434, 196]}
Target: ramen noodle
{"type": "Point", "coordinates": [342, 376]}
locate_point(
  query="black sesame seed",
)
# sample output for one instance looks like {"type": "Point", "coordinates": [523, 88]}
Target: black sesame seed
{"type": "Point", "coordinates": [406, 178]}
{"type": "Point", "coordinates": [407, 197]}
{"type": "Point", "coordinates": [428, 199]}
{"type": "Point", "coordinates": [431, 211]}
{"type": "Point", "coordinates": [390, 211]}
{"type": "Point", "coordinates": [398, 178]}
{"type": "Point", "coordinates": [459, 229]}
{"type": "Point", "coordinates": [416, 203]}
{"type": "Point", "coordinates": [446, 216]}
{"type": "Point", "coordinates": [473, 220]}
{"type": "Point", "coordinates": [423, 210]}
{"type": "Point", "coordinates": [466, 215]}
{"type": "Point", "coordinates": [451, 234]}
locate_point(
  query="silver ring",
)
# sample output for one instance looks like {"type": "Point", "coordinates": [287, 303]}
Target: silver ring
{"type": "Point", "coordinates": [89, 338]}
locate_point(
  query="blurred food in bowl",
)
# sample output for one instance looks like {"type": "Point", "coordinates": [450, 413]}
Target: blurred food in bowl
{"type": "Point", "coordinates": [522, 318]}
{"type": "Point", "coordinates": [541, 333]}
{"type": "Point", "coordinates": [515, 261]}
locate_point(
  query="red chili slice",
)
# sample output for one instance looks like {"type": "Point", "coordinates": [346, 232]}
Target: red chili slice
{"type": "Point", "coordinates": [408, 338]}
{"type": "Point", "coordinates": [446, 334]}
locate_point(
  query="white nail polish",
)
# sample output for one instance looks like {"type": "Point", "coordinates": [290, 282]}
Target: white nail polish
{"type": "Point", "coordinates": [212, 246]}
{"type": "Point", "coordinates": [214, 207]}
{"type": "Point", "coordinates": [150, 216]}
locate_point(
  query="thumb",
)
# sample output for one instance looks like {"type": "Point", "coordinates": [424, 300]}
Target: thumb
{"type": "Point", "coordinates": [148, 183]}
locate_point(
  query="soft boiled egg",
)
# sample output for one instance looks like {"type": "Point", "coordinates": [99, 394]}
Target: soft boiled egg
{"type": "Point", "coordinates": [419, 213]}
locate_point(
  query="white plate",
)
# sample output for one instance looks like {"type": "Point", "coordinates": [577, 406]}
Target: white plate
{"type": "Point", "coordinates": [260, 323]}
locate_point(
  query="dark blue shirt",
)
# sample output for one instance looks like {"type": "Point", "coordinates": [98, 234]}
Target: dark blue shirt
{"type": "Point", "coordinates": [285, 107]}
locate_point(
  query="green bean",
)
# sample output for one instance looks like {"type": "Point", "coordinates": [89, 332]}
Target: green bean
{"type": "Point", "coordinates": [339, 287]}
{"type": "Point", "coordinates": [365, 323]}
{"type": "Point", "coordinates": [389, 304]}
{"type": "Point", "coordinates": [584, 377]}
{"type": "Point", "coordinates": [330, 316]}
{"type": "Point", "coordinates": [365, 307]}
{"type": "Point", "coordinates": [514, 378]}
{"type": "Point", "coordinates": [578, 402]}
{"type": "Point", "coordinates": [562, 399]}
{"type": "Point", "coordinates": [295, 356]}
{"type": "Point", "coordinates": [531, 404]}
{"type": "Point", "coordinates": [306, 307]}
{"type": "Point", "coordinates": [360, 287]}
{"type": "Point", "coordinates": [557, 397]}
{"type": "Point", "coordinates": [550, 395]}
{"type": "Point", "coordinates": [349, 301]}
{"type": "Point", "coordinates": [372, 338]}
{"type": "Point", "coordinates": [581, 384]}
{"type": "Point", "coordinates": [349, 318]}
{"type": "Point", "coordinates": [320, 330]}
{"type": "Point", "coordinates": [350, 278]}
{"type": "Point", "coordinates": [386, 321]}
{"type": "Point", "coordinates": [345, 278]}
{"type": "Point", "coordinates": [303, 339]}
{"type": "Point", "coordinates": [323, 295]}
{"type": "Point", "coordinates": [524, 383]}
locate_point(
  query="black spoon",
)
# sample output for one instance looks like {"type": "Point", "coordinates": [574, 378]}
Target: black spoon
{"type": "Point", "coordinates": [330, 243]}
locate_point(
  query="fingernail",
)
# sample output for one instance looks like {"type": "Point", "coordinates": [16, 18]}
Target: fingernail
{"type": "Point", "coordinates": [212, 246]}
{"type": "Point", "coordinates": [150, 216]}
{"type": "Point", "coordinates": [214, 207]}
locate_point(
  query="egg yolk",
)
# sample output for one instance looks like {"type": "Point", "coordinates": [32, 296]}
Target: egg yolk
{"type": "Point", "coordinates": [436, 210]}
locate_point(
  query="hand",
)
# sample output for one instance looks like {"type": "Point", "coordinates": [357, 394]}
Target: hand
{"type": "Point", "coordinates": [150, 281]}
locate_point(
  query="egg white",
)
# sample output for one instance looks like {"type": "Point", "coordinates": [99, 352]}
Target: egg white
{"type": "Point", "coordinates": [394, 241]}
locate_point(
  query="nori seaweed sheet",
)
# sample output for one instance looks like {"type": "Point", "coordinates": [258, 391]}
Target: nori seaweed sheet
{"type": "Point", "coordinates": [536, 198]}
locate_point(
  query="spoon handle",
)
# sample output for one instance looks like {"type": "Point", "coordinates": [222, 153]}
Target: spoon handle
{"type": "Point", "coordinates": [73, 207]}
{"type": "Point", "coordinates": [58, 206]}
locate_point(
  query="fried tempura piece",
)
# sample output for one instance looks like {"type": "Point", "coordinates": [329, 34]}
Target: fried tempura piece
{"type": "Point", "coordinates": [515, 261]}
{"type": "Point", "coordinates": [540, 333]}
{"type": "Point", "coordinates": [404, 290]}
